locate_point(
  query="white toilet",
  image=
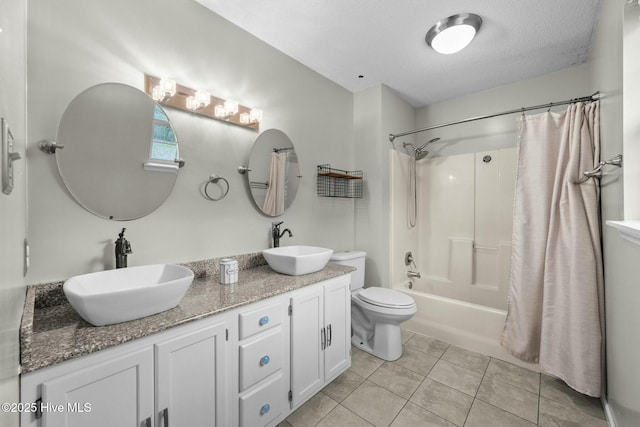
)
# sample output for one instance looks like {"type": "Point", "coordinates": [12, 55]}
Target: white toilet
{"type": "Point", "coordinates": [376, 313]}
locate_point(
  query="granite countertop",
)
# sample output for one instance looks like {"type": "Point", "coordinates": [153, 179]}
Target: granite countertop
{"type": "Point", "coordinates": [52, 332]}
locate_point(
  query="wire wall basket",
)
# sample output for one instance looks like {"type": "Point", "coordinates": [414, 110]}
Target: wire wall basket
{"type": "Point", "coordinates": [339, 183]}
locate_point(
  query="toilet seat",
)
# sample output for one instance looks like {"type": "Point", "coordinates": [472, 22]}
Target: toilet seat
{"type": "Point", "coordinates": [387, 298]}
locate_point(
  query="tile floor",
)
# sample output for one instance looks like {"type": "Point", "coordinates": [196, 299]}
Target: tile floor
{"type": "Point", "coordinates": [437, 384]}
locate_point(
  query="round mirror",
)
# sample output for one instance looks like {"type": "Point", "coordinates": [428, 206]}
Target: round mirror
{"type": "Point", "coordinates": [120, 152]}
{"type": "Point", "coordinates": [273, 172]}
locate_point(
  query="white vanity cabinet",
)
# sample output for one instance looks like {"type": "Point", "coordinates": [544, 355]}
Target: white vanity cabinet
{"type": "Point", "coordinates": [249, 366]}
{"type": "Point", "coordinates": [190, 386]}
{"type": "Point", "coordinates": [320, 336]}
{"type": "Point", "coordinates": [174, 378]}
{"type": "Point", "coordinates": [114, 392]}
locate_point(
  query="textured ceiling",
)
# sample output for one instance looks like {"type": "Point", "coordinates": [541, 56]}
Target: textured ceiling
{"type": "Point", "coordinates": [383, 40]}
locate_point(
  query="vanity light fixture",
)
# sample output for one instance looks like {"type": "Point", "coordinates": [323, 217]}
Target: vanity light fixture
{"type": "Point", "coordinates": [254, 116]}
{"type": "Point", "coordinates": [164, 90]}
{"type": "Point", "coordinates": [169, 93]}
{"type": "Point", "coordinates": [228, 109]}
{"type": "Point", "coordinates": [454, 33]}
{"type": "Point", "coordinates": [198, 101]}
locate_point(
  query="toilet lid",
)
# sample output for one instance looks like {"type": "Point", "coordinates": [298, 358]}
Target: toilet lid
{"type": "Point", "coordinates": [385, 297]}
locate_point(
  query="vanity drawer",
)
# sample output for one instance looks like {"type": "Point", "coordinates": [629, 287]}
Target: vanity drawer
{"type": "Point", "coordinates": [261, 319]}
{"type": "Point", "coordinates": [264, 404]}
{"type": "Point", "coordinates": [260, 358]}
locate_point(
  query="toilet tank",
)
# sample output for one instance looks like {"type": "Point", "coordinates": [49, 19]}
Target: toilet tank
{"type": "Point", "coordinates": [353, 259]}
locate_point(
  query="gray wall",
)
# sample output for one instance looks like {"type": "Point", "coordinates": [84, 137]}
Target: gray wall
{"type": "Point", "coordinates": [498, 132]}
{"type": "Point", "coordinates": [378, 111]}
{"type": "Point", "coordinates": [621, 266]}
{"type": "Point", "coordinates": [74, 45]}
{"type": "Point", "coordinates": [13, 206]}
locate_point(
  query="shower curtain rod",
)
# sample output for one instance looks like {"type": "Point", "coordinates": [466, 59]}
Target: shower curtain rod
{"type": "Point", "coordinates": [590, 98]}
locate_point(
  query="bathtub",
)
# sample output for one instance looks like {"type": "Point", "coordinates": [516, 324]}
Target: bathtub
{"type": "Point", "coordinates": [470, 326]}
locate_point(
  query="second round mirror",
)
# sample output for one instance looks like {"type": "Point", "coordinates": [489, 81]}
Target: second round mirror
{"type": "Point", "coordinates": [273, 172]}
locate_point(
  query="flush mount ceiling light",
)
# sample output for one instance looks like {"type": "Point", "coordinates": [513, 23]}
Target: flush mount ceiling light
{"type": "Point", "coordinates": [453, 33]}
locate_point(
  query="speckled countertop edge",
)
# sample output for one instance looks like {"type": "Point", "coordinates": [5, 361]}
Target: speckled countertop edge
{"type": "Point", "coordinates": [52, 332]}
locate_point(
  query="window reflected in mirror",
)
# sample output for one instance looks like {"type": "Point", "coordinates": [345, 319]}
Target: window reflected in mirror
{"type": "Point", "coordinates": [164, 145]}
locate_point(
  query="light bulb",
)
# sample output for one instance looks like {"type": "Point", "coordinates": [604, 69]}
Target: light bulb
{"type": "Point", "coordinates": [244, 118]}
{"type": "Point", "coordinates": [256, 115]}
{"type": "Point", "coordinates": [230, 107]}
{"type": "Point", "coordinates": [192, 103]}
{"type": "Point", "coordinates": [168, 87]}
{"type": "Point", "coordinates": [219, 111]}
{"type": "Point", "coordinates": [203, 98]}
{"type": "Point", "coordinates": [157, 94]}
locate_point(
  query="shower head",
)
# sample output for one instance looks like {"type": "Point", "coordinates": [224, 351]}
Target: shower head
{"type": "Point", "coordinates": [427, 143]}
{"type": "Point", "coordinates": [417, 153]}
{"type": "Point", "coordinates": [421, 154]}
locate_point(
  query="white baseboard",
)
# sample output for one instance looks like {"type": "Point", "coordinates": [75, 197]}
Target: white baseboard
{"type": "Point", "coordinates": [608, 412]}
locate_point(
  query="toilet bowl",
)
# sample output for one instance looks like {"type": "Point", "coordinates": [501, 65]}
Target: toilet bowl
{"type": "Point", "coordinates": [376, 312]}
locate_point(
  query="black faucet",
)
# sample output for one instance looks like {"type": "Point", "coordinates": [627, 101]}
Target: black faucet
{"type": "Point", "coordinates": [123, 248]}
{"type": "Point", "coordinates": [275, 232]}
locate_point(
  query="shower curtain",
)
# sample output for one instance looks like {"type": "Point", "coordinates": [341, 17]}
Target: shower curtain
{"type": "Point", "coordinates": [274, 199]}
{"type": "Point", "coordinates": [555, 306]}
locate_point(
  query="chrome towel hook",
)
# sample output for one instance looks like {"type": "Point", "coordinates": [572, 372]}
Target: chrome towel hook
{"type": "Point", "coordinates": [8, 156]}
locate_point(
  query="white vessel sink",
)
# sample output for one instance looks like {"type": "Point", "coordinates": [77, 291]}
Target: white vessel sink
{"type": "Point", "coordinates": [124, 294]}
{"type": "Point", "coordinates": [297, 260]}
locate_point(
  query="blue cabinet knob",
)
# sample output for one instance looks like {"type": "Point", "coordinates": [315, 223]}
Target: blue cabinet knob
{"type": "Point", "coordinates": [264, 360]}
{"type": "Point", "coordinates": [264, 320]}
{"type": "Point", "coordinates": [265, 409]}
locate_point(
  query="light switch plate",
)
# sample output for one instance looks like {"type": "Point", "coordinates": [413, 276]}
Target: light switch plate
{"type": "Point", "coordinates": [8, 157]}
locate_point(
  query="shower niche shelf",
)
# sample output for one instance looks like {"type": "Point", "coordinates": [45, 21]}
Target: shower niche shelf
{"type": "Point", "coordinates": [339, 183]}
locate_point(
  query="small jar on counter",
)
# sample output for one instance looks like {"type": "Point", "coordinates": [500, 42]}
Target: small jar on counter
{"type": "Point", "coordinates": [228, 271]}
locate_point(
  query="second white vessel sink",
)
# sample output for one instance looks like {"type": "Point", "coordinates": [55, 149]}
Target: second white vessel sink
{"type": "Point", "coordinates": [124, 294]}
{"type": "Point", "coordinates": [297, 260]}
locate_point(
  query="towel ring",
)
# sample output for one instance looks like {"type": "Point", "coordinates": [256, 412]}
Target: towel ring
{"type": "Point", "coordinates": [215, 179]}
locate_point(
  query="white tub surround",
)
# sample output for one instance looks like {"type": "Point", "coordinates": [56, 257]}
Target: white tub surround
{"type": "Point", "coordinates": [463, 324]}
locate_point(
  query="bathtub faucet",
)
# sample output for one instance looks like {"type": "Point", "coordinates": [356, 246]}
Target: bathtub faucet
{"type": "Point", "coordinates": [413, 274]}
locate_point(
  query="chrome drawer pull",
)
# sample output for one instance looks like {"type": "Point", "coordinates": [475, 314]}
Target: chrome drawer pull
{"type": "Point", "coordinates": [264, 320]}
{"type": "Point", "coordinates": [265, 409]}
{"type": "Point", "coordinates": [264, 360]}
